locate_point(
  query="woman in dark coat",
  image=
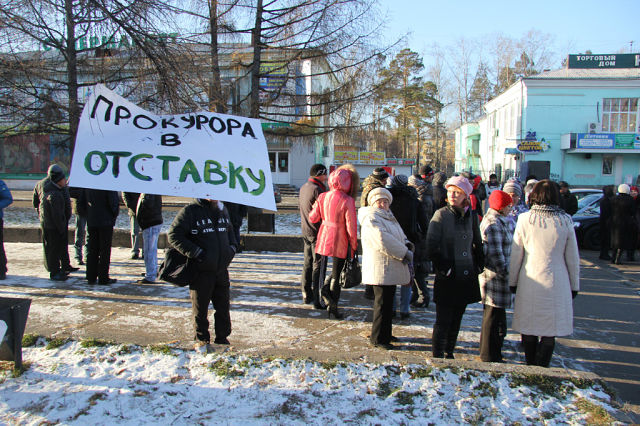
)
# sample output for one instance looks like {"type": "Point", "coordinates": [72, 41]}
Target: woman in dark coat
{"type": "Point", "coordinates": [623, 223]}
{"type": "Point", "coordinates": [454, 245]}
{"type": "Point", "coordinates": [605, 221]}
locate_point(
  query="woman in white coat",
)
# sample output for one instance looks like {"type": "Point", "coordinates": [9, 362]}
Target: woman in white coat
{"type": "Point", "coordinates": [544, 273]}
{"type": "Point", "coordinates": [386, 253]}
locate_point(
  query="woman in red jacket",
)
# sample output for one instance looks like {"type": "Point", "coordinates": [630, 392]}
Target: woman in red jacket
{"type": "Point", "coordinates": [338, 231]}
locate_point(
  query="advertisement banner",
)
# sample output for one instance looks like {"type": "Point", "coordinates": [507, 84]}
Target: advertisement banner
{"type": "Point", "coordinates": [122, 147]}
{"type": "Point", "coordinates": [345, 156]}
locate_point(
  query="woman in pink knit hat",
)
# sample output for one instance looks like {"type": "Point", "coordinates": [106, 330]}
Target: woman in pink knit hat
{"type": "Point", "coordinates": [454, 246]}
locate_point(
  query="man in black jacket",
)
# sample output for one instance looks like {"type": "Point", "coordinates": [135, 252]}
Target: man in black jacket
{"type": "Point", "coordinates": [202, 231]}
{"type": "Point", "coordinates": [314, 267]}
{"type": "Point", "coordinates": [149, 217]}
{"type": "Point", "coordinates": [49, 201]}
{"type": "Point", "coordinates": [412, 216]}
{"type": "Point", "coordinates": [102, 211]}
{"type": "Point", "coordinates": [568, 201]}
{"type": "Point", "coordinates": [38, 193]}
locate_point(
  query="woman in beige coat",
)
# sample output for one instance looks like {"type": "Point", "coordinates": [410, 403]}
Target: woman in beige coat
{"type": "Point", "coordinates": [544, 273]}
{"type": "Point", "coordinates": [386, 253]}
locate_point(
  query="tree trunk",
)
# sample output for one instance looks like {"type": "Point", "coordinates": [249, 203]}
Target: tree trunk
{"type": "Point", "coordinates": [216, 100]}
{"type": "Point", "coordinates": [72, 74]}
{"type": "Point", "coordinates": [256, 36]}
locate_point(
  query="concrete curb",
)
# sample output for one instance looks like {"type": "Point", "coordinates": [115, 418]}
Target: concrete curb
{"type": "Point", "coordinates": [122, 238]}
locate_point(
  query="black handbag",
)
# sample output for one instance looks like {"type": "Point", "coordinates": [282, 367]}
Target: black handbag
{"type": "Point", "coordinates": [176, 268]}
{"type": "Point", "coordinates": [351, 274]}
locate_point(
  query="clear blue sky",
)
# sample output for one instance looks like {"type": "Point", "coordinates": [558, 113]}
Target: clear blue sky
{"type": "Point", "coordinates": [603, 26]}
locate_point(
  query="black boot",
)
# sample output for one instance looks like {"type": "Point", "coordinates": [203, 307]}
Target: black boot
{"type": "Point", "coordinates": [368, 292]}
{"type": "Point", "coordinates": [544, 351]}
{"type": "Point", "coordinates": [317, 302]}
{"type": "Point", "coordinates": [631, 255]}
{"type": "Point", "coordinates": [438, 341]}
{"type": "Point", "coordinates": [530, 344]}
{"type": "Point", "coordinates": [325, 292]}
{"type": "Point", "coordinates": [332, 308]}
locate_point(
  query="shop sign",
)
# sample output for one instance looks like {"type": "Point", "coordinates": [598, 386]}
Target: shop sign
{"type": "Point", "coordinates": [345, 156]}
{"type": "Point", "coordinates": [273, 75]}
{"type": "Point", "coordinates": [608, 141]}
{"type": "Point", "coordinates": [622, 60]}
{"type": "Point", "coordinates": [114, 41]}
{"type": "Point", "coordinates": [531, 144]}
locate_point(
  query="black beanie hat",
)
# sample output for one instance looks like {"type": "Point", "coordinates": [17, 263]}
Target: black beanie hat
{"type": "Point", "coordinates": [380, 173]}
{"type": "Point", "coordinates": [55, 173]}
{"type": "Point", "coordinates": [318, 170]}
{"type": "Point", "coordinates": [425, 170]}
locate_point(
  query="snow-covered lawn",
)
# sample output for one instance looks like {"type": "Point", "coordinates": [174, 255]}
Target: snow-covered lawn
{"type": "Point", "coordinates": [88, 383]}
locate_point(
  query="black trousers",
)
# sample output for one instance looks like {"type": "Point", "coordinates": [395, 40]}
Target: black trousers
{"type": "Point", "coordinates": [3, 255]}
{"type": "Point", "coordinates": [382, 313]}
{"type": "Point", "coordinates": [214, 288]}
{"type": "Point", "coordinates": [66, 262]}
{"type": "Point", "coordinates": [605, 240]}
{"type": "Point", "coordinates": [446, 328]}
{"type": "Point", "coordinates": [53, 245]}
{"type": "Point", "coordinates": [312, 269]}
{"type": "Point", "coordinates": [492, 334]}
{"type": "Point", "coordinates": [99, 252]}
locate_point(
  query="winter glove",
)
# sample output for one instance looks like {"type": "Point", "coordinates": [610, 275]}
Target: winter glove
{"type": "Point", "coordinates": [411, 246]}
{"type": "Point", "coordinates": [513, 289]}
{"type": "Point", "coordinates": [408, 257]}
{"type": "Point", "coordinates": [573, 294]}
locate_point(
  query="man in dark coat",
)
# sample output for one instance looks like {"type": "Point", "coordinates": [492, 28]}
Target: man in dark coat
{"type": "Point", "coordinates": [623, 223]}
{"type": "Point", "coordinates": [5, 200]}
{"type": "Point", "coordinates": [131, 201]}
{"type": "Point", "coordinates": [412, 217]}
{"type": "Point", "coordinates": [149, 217]}
{"type": "Point", "coordinates": [37, 196]}
{"type": "Point", "coordinates": [315, 265]}
{"type": "Point", "coordinates": [102, 211]}
{"type": "Point", "coordinates": [202, 231]}
{"type": "Point", "coordinates": [439, 191]}
{"type": "Point", "coordinates": [50, 202]}
{"type": "Point", "coordinates": [605, 221]}
{"type": "Point", "coordinates": [420, 296]}
{"type": "Point", "coordinates": [568, 201]}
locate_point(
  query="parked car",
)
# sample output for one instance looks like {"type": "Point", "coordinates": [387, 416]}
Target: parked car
{"type": "Point", "coordinates": [586, 221]}
{"type": "Point", "coordinates": [276, 194]}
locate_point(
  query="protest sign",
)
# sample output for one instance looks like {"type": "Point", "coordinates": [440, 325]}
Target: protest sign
{"type": "Point", "coordinates": [122, 147]}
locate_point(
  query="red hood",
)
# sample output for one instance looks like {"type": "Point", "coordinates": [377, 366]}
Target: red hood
{"type": "Point", "coordinates": [340, 179]}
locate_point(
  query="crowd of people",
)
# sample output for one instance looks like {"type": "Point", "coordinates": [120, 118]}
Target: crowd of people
{"type": "Point", "coordinates": [487, 243]}
{"type": "Point", "coordinates": [496, 244]}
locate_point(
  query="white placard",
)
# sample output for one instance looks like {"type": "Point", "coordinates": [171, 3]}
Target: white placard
{"type": "Point", "coordinates": [122, 147]}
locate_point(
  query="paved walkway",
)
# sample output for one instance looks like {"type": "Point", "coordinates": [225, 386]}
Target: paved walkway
{"type": "Point", "coordinates": [268, 318]}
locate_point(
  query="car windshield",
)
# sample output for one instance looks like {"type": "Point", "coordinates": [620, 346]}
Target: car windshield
{"type": "Point", "coordinates": [587, 200]}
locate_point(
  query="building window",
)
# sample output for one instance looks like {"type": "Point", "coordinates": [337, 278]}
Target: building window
{"type": "Point", "coordinates": [272, 161]}
{"type": "Point", "coordinates": [620, 115]}
{"type": "Point", "coordinates": [607, 166]}
{"type": "Point", "coordinates": [283, 162]}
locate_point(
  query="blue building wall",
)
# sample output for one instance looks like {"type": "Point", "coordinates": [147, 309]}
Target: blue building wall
{"type": "Point", "coordinates": [553, 111]}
